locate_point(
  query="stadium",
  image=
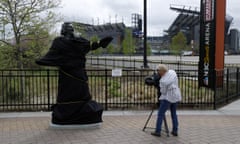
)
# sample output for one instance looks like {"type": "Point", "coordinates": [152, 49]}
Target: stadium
{"type": "Point", "coordinates": [187, 22]}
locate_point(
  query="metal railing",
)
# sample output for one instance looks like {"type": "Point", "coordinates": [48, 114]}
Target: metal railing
{"type": "Point", "coordinates": [131, 63]}
{"type": "Point", "coordinates": [228, 89]}
{"type": "Point", "coordinates": [36, 90]}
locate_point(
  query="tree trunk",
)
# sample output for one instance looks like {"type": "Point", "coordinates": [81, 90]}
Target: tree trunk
{"type": "Point", "coordinates": [20, 67]}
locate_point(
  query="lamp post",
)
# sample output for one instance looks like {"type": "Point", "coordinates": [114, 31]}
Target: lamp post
{"type": "Point", "coordinates": [145, 62]}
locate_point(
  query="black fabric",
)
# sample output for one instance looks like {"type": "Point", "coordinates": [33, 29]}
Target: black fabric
{"type": "Point", "coordinates": [67, 29]}
{"type": "Point", "coordinates": [74, 102]}
{"type": "Point", "coordinates": [105, 42]}
{"type": "Point", "coordinates": [77, 113]}
{"type": "Point", "coordinates": [72, 85]}
{"type": "Point", "coordinates": [66, 53]}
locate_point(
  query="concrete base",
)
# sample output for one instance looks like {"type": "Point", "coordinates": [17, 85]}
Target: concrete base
{"type": "Point", "coordinates": [83, 126]}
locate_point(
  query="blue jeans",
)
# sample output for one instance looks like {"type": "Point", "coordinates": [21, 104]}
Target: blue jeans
{"type": "Point", "coordinates": [164, 105]}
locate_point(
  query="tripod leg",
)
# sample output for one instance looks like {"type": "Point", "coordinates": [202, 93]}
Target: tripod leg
{"type": "Point", "coordinates": [149, 117]}
{"type": "Point", "coordinates": [166, 125]}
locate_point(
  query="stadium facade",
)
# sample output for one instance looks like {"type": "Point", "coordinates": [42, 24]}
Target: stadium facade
{"type": "Point", "coordinates": [116, 30]}
{"type": "Point", "coordinates": [187, 21]}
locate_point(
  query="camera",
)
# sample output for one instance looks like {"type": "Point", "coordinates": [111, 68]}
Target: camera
{"type": "Point", "coordinates": [153, 80]}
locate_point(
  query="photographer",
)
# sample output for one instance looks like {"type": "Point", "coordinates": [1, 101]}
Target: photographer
{"type": "Point", "coordinates": [170, 96]}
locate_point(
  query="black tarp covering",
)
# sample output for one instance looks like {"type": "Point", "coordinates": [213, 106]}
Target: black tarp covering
{"type": "Point", "coordinates": [74, 102]}
{"type": "Point", "coordinates": [66, 53]}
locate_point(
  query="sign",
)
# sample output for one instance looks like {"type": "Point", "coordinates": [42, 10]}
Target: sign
{"type": "Point", "coordinates": [116, 72]}
{"type": "Point", "coordinates": [207, 43]}
{"type": "Point", "coordinates": [212, 26]}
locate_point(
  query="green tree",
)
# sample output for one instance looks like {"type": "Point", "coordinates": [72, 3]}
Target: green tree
{"type": "Point", "coordinates": [29, 21]}
{"type": "Point", "coordinates": [128, 43]}
{"type": "Point", "coordinates": [35, 45]}
{"type": "Point", "coordinates": [6, 53]}
{"type": "Point", "coordinates": [179, 43]}
{"type": "Point", "coordinates": [110, 49]}
{"type": "Point", "coordinates": [149, 50]}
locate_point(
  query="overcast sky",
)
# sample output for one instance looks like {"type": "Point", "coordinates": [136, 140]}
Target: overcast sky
{"type": "Point", "coordinates": [159, 14]}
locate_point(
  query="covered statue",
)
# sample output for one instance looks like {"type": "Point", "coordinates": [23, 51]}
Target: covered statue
{"type": "Point", "coordinates": [74, 102]}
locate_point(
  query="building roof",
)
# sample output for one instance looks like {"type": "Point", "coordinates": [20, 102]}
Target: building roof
{"type": "Point", "coordinates": [183, 21]}
{"type": "Point", "coordinates": [185, 9]}
{"type": "Point", "coordinates": [189, 17]}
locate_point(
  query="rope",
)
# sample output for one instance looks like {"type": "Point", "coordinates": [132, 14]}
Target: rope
{"type": "Point", "coordinates": [65, 103]}
{"type": "Point", "coordinates": [69, 75]}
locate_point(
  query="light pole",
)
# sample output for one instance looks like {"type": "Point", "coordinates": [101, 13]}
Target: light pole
{"type": "Point", "coordinates": [145, 62]}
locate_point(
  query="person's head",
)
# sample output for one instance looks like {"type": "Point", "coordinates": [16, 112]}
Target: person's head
{"type": "Point", "coordinates": [162, 69]}
{"type": "Point", "coordinates": [67, 29]}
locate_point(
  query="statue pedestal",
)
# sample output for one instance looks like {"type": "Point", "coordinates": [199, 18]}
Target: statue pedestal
{"type": "Point", "coordinates": [83, 126]}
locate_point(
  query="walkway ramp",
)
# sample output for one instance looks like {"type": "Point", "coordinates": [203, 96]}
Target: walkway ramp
{"type": "Point", "coordinates": [232, 108]}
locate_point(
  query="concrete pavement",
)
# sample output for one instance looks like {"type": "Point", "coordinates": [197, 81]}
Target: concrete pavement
{"type": "Point", "coordinates": [125, 127]}
{"type": "Point", "coordinates": [231, 109]}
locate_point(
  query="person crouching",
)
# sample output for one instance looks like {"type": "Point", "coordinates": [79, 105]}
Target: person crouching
{"type": "Point", "coordinates": [170, 96]}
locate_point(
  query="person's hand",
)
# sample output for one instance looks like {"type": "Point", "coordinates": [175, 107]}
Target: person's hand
{"type": "Point", "coordinates": [105, 42]}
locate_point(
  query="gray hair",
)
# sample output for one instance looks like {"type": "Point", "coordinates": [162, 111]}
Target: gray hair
{"type": "Point", "coordinates": [162, 67]}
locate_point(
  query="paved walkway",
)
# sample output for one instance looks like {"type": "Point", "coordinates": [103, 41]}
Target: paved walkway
{"type": "Point", "coordinates": [196, 127]}
{"type": "Point", "coordinates": [125, 127]}
{"type": "Point", "coordinates": [232, 109]}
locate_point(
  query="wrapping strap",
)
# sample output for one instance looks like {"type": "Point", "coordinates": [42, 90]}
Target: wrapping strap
{"type": "Point", "coordinates": [69, 75]}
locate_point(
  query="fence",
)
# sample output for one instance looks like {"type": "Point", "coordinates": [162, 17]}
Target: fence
{"type": "Point", "coordinates": [229, 90]}
{"type": "Point", "coordinates": [132, 62]}
{"type": "Point", "coordinates": [36, 90]}
{"type": "Point", "coordinates": [129, 63]}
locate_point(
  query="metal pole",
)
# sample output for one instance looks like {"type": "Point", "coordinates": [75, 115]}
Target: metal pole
{"type": "Point", "coordinates": [48, 90]}
{"type": "Point", "coordinates": [106, 89]}
{"type": "Point", "coordinates": [237, 90]}
{"type": "Point", "coordinates": [145, 63]}
{"type": "Point", "coordinates": [227, 93]}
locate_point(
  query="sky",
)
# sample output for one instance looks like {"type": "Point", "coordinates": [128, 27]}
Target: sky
{"type": "Point", "coordinates": [160, 16]}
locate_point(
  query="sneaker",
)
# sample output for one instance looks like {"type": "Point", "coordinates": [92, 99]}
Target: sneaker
{"type": "Point", "coordinates": [174, 133]}
{"type": "Point", "coordinates": [156, 134]}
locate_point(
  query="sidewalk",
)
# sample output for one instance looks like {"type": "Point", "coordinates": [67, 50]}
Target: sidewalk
{"type": "Point", "coordinates": [221, 112]}
{"type": "Point", "coordinates": [232, 109]}
{"type": "Point", "coordinates": [124, 127]}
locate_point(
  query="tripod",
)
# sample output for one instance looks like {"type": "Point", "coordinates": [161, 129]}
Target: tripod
{"type": "Point", "coordinates": [164, 121]}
